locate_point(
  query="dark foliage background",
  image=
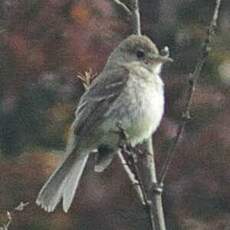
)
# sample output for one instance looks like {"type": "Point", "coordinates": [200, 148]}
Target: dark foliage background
{"type": "Point", "coordinates": [44, 45]}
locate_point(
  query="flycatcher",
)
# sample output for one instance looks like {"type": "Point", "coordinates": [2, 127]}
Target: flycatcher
{"type": "Point", "coordinates": [129, 92]}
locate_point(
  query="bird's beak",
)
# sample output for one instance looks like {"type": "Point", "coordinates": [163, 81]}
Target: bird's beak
{"type": "Point", "coordinates": [163, 57]}
{"type": "Point", "coordinates": [160, 58]}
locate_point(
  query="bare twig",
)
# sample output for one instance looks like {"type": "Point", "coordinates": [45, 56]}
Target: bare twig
{"type": "Point", "coordinates": [134, 13]}
{"type": "Point", "coordinates": [125, 8]}
{"type": "Point", "coordinates": [148, 203]}
{"type": "Point", "coordinates": [192, 86]}
{"type": "Point", "coordinates": [130, 165]}
{"type": "Point", "coordinates": [9, 214]}
{"type": "Point", "coordinates": [149, 176]}
{"type": "Point", "coordinates": [154, 206]}
{"type": "Point", "coordinates": [136, 17]}
{"type": "Point", "coordinates": [132, 177]}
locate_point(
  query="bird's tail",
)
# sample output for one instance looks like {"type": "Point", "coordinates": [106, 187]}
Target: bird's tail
{"type": "Point", "coordinates": [62, 183]}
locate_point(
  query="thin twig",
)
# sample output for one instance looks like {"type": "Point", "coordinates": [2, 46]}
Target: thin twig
{"type": "Point", "coordinates": [148, 203]}
{"type": "Point", "coordinates": [132, 177]}
{"type": "Point", "coordinates": [86, 78]}
{"type": "Point", "coordinates": [132, 169]}
{"type": "Point", "coordinates": [192, 87]}
{"type": "Point", "coordinates": [9, 214]}
{"type": "Point", "coordinates": [154, 206]}
{"type": "Point", "coordinates": [136, 17]}
{"type": "Point", "coordinates": [128, 164]}
{"type": "Point", "coordinates": [125, 8]}
{"type": "Point", "coordinates": [134, 14]}
{"type": "Point", "coordinates": [148, 167]}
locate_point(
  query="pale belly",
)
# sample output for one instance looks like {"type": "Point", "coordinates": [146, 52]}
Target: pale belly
{"type": "Point", "coordinates": [144, 118]}
{"type": "Point", "coordinates": [139, 114]}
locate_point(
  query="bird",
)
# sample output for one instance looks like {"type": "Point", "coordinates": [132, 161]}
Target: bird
{"type": "Point", "coordinates": [129, 91]}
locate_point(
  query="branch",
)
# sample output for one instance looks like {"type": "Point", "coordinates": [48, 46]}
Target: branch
{"type": "Point", "coordinates": [86, 78]}
{"type": "Point", "coordinates": [148, 167]}
{"type": "Point", "coordinates": [130, 166]}
{"type": "Point", "coordinates": [136, 17]}
{"type": "Point", "coordinates": [132, 177]}
{"type": "Point", "coordinates": [134, 14]}
{"type": "Point", "coordinates": [9, 214]}
{"type": "Point", "coordinates": [154, 204]}
{"type": "Point", "coordinates": [125, 8]}
{"type": "Point", "coordinates": [148, 205]}
{"type": "Point", "coordinates": [191, 90]}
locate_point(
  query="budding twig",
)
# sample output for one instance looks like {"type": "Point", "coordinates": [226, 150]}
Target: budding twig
{"type": "Point", "coordinates": [191, 90]}
{"type": "Point", "coordinates": [86, 78]}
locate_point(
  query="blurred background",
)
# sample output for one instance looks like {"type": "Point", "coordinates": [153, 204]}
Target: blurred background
{"type": "Point", "coordinates": [44, 45]}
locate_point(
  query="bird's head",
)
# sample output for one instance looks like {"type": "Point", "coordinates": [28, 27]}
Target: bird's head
{"type": "Point", "coordinates": [140, 50]}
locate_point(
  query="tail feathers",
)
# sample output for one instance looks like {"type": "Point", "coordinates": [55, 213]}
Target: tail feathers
{"type": "Point", "coordinates": [62, 183]}
{"type": "Point", "coordinates": [72, 181]}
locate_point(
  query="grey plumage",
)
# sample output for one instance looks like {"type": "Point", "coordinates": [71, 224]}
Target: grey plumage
{"type": "Point", "coordinates": [93, 104]}
{"type": "Point", "coordinates": [129, 91]}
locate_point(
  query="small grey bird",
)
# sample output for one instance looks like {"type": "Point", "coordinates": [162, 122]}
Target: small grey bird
{"type": "Point", "coordinates": [129, 92]}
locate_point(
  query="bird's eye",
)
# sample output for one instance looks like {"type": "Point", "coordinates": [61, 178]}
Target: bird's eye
{"type": "Point", "coordinates": [140, 54]}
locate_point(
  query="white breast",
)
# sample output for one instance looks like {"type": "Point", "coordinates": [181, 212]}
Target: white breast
{"type": "Point", "coordinates": [148, 109]}
{"type": "Point", "coordinates": [140, 107]}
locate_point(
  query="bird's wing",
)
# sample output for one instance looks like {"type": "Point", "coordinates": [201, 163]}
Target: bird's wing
{"type": "Point", "coordinates": [97, 100]}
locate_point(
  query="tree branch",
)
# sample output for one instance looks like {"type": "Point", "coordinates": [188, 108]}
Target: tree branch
{"type": "Point", "coordinates": [149, 176]}
{"type": "Point", "coordinates": [128, 156]}
{"type": "Point", "coordinates": [10, 214]}
{"type": "Point", "coordinates": [132, 177]}
{"type": "Point", "coordinates": [125, 8]}
{"type": "Point", "coordinates": [153, 200]}
{"type": "Point", "coordinates": [134, 14]}
{"type": "Point", "coordinates": [191, 90]}
{"type": "Point", "coordinates": [136, 21]}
